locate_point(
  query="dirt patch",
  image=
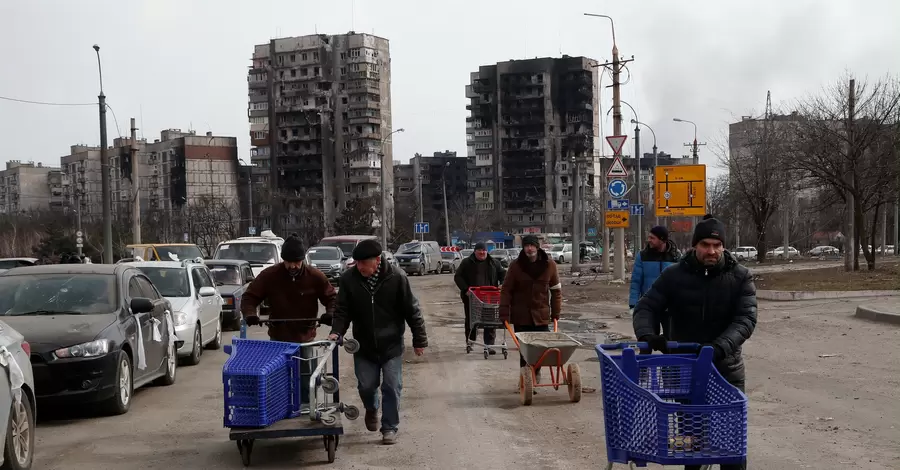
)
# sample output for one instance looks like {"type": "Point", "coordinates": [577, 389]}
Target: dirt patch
{"type": "Point", "coordinates": [885, 277]}
{"type": "Point", "coordinates": [594, 291]}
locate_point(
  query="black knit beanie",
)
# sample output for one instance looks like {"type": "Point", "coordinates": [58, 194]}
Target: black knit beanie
{"type": "Point", "coordinates": [660, 232]}
{"type": "Point", "coordinates": [531, 240]}
{"type": "Point", "coordinates": [292, 250]}
{"type": "Point", "coordinates": [709, 227]}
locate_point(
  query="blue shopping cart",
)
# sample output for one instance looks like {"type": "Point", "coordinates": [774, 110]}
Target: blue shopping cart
{"type": "Point", "coordinates": [276, 389]}
{"type": "Point", "coordinates": [670, 409]}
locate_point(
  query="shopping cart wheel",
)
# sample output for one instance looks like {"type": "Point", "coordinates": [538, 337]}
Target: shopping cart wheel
{"type": "Point", "coordinates": [331, 447]}
{"type": "Point", "coordinates": [351, 345]}
{"type": "Point", "coordinates": [486, 353]}
{"type": "Point", "coordinates": [328, 419]}
{"type": "Point", "coordinates": [505, 354]}
{"type": "Point", "coordinates": [574, 383]}
{"type": "Point", "coordinates": [351, 412]}
{"type": "Point", "coordinates": [330, 385]}
{"type": "Point", "coordinates": [245, 447]}
{"type": "Point", "coordinates": [468, 348]}
{"type": "Point", "coordinates": [526, 385]}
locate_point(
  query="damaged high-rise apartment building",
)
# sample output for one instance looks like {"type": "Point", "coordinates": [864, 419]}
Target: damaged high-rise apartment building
{"type": "Point", "coordinates": [320, 115]}
{"type": "Point", "coordinates": [530, 121]}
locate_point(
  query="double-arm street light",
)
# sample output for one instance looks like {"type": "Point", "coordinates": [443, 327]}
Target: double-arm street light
{"type": "Point", "coordinates": [384, 223]}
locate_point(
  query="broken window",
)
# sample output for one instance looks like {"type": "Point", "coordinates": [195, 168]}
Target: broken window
{"type": "Point", "coordinates": [315, 56]}
{"type": "Point", "coordinates": [293, 72]}
{"type": "Point", "coordinates": [294, 58]}
{"type": "Point", "coordinates": [281, 74]}
{"type": "Point", "coordinates": [305, 131]}
{"type": "Point", "coordinates": [343, 72]}
{"type": "Point", "coordinates": [344, 100]}
{"type": "Point", "coordinates": [303, 57]}
{"type": "Point", "coordinates": [304, 72]}
{"type": "Point", "coordinates": [343, 55]}
{"type": "Point", "coordinates": [295, 132]}
{"type": "Point", "coordinates": [316, 71]}
{"type": "Point", "coordinates": [346, 130]}
{"type": "Point", "coordinates": [284, 133]}
{"type": "Point", "coordinates": [354, 52]}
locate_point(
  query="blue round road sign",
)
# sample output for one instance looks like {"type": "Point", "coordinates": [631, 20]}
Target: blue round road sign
{"type": "Point", "coordinates": [617, 188]}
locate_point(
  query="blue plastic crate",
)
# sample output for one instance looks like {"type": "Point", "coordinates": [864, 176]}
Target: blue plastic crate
{"type": "Point", "coordinates": [671, 409]}
{"type": "Point", "coordinates": [259, 378]}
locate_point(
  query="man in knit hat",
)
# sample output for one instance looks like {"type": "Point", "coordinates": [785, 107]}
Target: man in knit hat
{"type": "Point", "coordinates": [707, 298]}
{"type": "Point", "coordinates": [649, 263]}
{"type": "Point", "coordinates": [292, 291]}
{"type": "Point", "coordinates": [378, 301]}
{"type": "Point", "coordinates": [478, 270]}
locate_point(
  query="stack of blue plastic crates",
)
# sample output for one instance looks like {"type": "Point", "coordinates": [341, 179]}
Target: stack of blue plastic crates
{"type": "Point", "coordinates": [260, 380]}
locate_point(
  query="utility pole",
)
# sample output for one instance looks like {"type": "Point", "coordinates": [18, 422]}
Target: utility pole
{"type": "Point", "coordinates": [446, 214]}
{"type": "Point", "coordinates": [135, 187]}
{"type": "Point", "coordinates": [250, 197]}
{"type": "Point", "coordinates": [850, 248]}
{"type": "Point", "coordinates": [78, 218]}
{"type": "Point", "coordinates": [418, 169]}
{"type": "Point", "coordinates": [638, 234]}
{"type": "Point", "coordinates": [275, 199]}
{"type": "Point", "coordinates": [104, 171]}
{"type": "Point", "coordinates": [786, 222]}
{"type": "Point", "coordinates": [576, 221]}
{"type": "Point", "coordinates": [619, 261]}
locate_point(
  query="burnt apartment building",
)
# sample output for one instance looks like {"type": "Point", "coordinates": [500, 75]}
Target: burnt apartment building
{"type": "Point", "coordinates": [320, 118]}
{"type": "Point", "coordinates": [530, 121]}
{"type": "Point", "coordinates": [421, 183]}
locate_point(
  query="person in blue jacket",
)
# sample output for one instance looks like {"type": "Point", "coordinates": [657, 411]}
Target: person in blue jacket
{"type": "Point", "coordinates": [659, 254]}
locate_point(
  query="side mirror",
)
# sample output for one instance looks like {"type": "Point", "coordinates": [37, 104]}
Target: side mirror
{"type": "Point", "coordinates": [141, 305]}
{"type": "Point", "coordinates": [206, 291]}
{"type": "Point", "coordinates": [250, 279]}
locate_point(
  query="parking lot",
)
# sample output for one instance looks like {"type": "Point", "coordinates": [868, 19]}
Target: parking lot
{"type": "Point", "coordinates": [823, 390]}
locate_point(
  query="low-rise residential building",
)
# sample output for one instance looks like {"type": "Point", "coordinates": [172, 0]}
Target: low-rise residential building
{"type": "Point", "coordinates": [26, 186]}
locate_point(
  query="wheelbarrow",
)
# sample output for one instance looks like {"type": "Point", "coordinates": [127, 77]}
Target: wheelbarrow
{"type": "Point", "coordinates": [551, 350]}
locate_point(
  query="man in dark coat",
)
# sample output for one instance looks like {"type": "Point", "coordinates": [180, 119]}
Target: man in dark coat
{"type": "Point", "coordinates": [478, 270]}
{"type": "Point", "coordinates": [649, 263]}
{"type": "Point", "coordinates": [707, 298]}
{"type": "Point", "coordinates": [379, 302]}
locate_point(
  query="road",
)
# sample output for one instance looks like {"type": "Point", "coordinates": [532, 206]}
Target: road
{"type": "Point", "coordinates": [460, 410]}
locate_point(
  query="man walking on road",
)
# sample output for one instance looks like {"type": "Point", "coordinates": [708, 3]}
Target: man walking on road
{"type": "Point", "coordinates": [649, 263]}
{"type": "Point", "coordinates": [379, 302]}
{"type": "Point", "coordinates": [292, 291]}
{"type": "Point", "coordinates": [707, 298]}
{"type": "Point", "coordinates": [478, 270]}
{"type": "Point", "coordinates": [532, 294]}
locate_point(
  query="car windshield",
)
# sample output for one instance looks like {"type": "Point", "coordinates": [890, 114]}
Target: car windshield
{"type": "Point", "coordinates": [346, 246]}
{"type": "Point", "coordinates": [225, 275]}
{"type": "Point", "coordinates": [498, 253]}
{"type": "Point", "coordinates": [447, 254]}
{"type": "Point", "coordinates": [323, 253]}
{"type": "Point", "coordinates": [253, 253]}
{"type": "Point", "coordinates": [62, 294]}
{"type": "Point", "coordinates": [12, 263]}
{"type": "Point", "coordinates": [466, 252]}
{"type": "Point", "coordinates": [556, 248]}
{"type": "Point", "coordinates": [411, 248]}
{"type": "Point", "coordinates": [178, 253]}
{"type": "Point", "coordinates": [170, 282]}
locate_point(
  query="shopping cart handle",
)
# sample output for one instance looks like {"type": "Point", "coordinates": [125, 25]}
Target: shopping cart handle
{"type": "Point", "coordinates": [671, 345]}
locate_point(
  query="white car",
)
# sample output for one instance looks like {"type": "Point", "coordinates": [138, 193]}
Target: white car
{"type": "Point", "coordinates": [16, 414]}
{"type": "Point", "coordinates": [196, 303]}
{"type": "Point", "coordinates": [261, 252]}
{"type": "Point", "coordinates": [778, 253]}
{"type": "Point", "coordinates": [824, 251]}
{"type": "Point", "coordinates": [561, 252]}
{"type": "Point", "coordinates": [745, 253]}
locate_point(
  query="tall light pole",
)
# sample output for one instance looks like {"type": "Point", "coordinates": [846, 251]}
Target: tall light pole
{"type": "Point", "coordinates": [655, 161]}
{"type": "Point", "coordinates": [637, 176]}
{"type": "Point", "coordinates": [446, 214]}
{"type": "Point", "coordinates": [384, 223]}
{"type": "Point", "coordinates": [249, 191]}
{"type": "Point", "coordinates": [694, 155]}
{"type": "Point", "coordinates": [104, 171]}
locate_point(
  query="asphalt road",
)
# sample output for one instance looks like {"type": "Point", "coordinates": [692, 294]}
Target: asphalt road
{"type": "Point", "coordinates": [460, 410]}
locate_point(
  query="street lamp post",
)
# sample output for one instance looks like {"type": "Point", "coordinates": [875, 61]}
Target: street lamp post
{"type": "Point", "coordinates": [250, 191]}
{"type": "Point", "coordinates": [655, 162]}
{"type": "Point", "coordinates": [384, 224]}
{"type": "Point", "coordinates": [446, 214]}
{"type": "Point", "coordinates": [104, 171]}
{"type": "Point", "coordinates": [694, 145]}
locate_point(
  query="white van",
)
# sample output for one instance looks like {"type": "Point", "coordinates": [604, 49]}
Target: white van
{"type": "Point", "coordinates": [261, 252]}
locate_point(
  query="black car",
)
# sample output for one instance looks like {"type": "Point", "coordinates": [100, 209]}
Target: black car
{"type": "Point", "coordinates": [232, 277]}
{"type": "Point", "coordinates": [97, 331]}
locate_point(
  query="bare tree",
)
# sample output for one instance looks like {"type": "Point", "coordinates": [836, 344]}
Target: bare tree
{"type": "Point", "coordinates": [855, 153]}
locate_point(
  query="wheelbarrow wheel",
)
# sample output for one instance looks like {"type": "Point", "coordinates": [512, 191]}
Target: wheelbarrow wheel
{"type": "Point", "coordinates": [526, 385]}
{"type": "Point", "coordinates": [331, 447]}
{"type": "Point", "coordinates": [574, 383]}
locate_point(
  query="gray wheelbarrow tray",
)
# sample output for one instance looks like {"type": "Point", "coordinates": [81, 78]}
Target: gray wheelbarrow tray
{"type": "Point", "coordinates": [533, 344]}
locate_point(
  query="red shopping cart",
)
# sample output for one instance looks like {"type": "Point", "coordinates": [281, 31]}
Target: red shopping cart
{"type": "Point", "coordinates": [484, 311]}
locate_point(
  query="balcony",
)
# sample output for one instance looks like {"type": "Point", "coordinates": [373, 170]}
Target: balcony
{"type": "Point", "coordinates": [364, 179]}
{"type": "Point", "coordinates": [364, 120]}
{"type": "Point", "coordinates": [367, 104]}
{"type": "Point", "coordinates": [256, 84]}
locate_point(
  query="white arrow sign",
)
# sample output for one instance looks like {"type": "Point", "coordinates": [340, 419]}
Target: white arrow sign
{"type": "Point", "coordinates": [616, 142]}
{"type": "Point", "coordinates": [617, 169]}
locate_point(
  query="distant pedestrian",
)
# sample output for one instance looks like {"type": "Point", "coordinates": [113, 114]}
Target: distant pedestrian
{"type": "Point", "coordinates": [378, 301]}
{"type": "Point", "coordinates": [707, 298]}
{"type": "Point", "coordinates": [659, 254]}
{"type": "Point", "coordinates": [478, 270]}
{"type": "Point", "coordinates": [532, 293]}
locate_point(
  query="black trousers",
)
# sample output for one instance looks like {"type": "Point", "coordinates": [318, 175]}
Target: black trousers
{"type": "Point", "coordinates": [739, 383]}
{"type": "Point", "coordinates": [489, 335]}
{"type": "Point", "coordinates": [524, 328]}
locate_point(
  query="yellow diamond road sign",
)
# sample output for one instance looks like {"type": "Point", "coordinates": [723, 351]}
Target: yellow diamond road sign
{"type": "Point", "coordinates": [618, 219]}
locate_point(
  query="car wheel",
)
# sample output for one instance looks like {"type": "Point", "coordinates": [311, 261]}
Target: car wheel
{"type": "Point", "coordinates": [119, 403]}
{"type": "Point", "coordinates": [562, 259]}
{"type": "Point", "coordinates": [421, 270]}
{"type": "Point", "coordinates": [171, 365]}
{"type": "Point", "coordinates": [216, 343]}
{"type": "Point", "coordinates": [197, 350]}
{"type": "Point", "coordinates": [19, 451]}
{"type": "Point", "coordinates": [452, 269]}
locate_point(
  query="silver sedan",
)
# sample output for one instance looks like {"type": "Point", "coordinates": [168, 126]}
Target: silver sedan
{"type": "Point", "coordinates": [17, 406]}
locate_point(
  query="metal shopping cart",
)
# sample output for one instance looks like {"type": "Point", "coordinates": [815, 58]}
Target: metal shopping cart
{"type": "Point", "coordinates": [484, 311]}
{"type": "Point", "coordinates": [670, 409]}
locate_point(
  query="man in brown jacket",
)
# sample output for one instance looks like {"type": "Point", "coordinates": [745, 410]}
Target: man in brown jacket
{"type": "Point", "coordinates": [293, 291]}
{"type": "Point", "coordinates": [531, 295]}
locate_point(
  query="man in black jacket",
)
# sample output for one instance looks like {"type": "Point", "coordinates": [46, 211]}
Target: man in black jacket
{"type": "Point", "coordinates": [478, 270]}
{"type": "Point", "coordinates": [379, 303]}
{"type": "Point", "coordinates": [707, 298]}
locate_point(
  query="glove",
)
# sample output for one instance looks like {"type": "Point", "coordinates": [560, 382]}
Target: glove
{"type": "Point", "coordinates": [656, 342]}
{"type": "Point", "coordinates": [326, 319]}
{"type": "Point", "coordinates": [252, 320]}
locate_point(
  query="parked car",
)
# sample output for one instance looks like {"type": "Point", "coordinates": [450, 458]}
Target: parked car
{"type": "Point", "coordinates": [500, 254]}
{"type": "Point", "coordinates": [513, 252]}
{"type": "Point", "coordinates": [561, 252]}
{"type": "Point", "coordinates": [232, 278]}
{"type": "Point", "coordinates": [346, 243]}
{"type": "Point", "coordinates": [9, 263]}
{"type": "Point", "coordinates": [18, 414]}
{"type": "Point", "coordinates": [328, 259]}
{"type": "Point", "coordinates": [778, 253]}
{"type": "Point", "coordinates": [745, 253]}
{"type": "Point", "coordinates": [164, 251]}
{"type": "Point", "coordinates": [96, 331]}
{"type": "Point", "coordinates": [450, 261]}
{"type": "Point", "coordinates": [261, 252]}
{"type": "Point", "coordinates": [419, 257]}
{"type": "Point", "coordinates": [390, 259]}
{"type": "Point", "coordinates": [824, 251]}
{"type": "Point", "coordinates": [466, 253]}
{"type": "Point", "coordinates": [196, 303]}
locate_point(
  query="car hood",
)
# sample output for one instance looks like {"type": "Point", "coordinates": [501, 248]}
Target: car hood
{"type": "Point", "coordinates": [226, 290]}
{"type": "Point", "coordinates": [179, 303]}
{"type": "Point", "coordinates": [407, 255]}
{"type": "Point", "coordinates": [258, 269]}
{"type": "Point", "coordinates": [50, 332]}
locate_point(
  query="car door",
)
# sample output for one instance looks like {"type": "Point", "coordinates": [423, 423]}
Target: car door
{"type": "Point", "coordinates": [160, 307]}
{"type": "Point", "coordinates": [210, 307]}
{"type": "Point", "coordinates": [146, 325]}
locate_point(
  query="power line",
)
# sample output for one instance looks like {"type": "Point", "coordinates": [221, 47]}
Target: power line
{"type": "Point", "coordinates": [45, 103]}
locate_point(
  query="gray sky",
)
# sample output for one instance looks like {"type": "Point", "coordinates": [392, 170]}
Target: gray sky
{"type": "Point", "coordinates": [183, 63]}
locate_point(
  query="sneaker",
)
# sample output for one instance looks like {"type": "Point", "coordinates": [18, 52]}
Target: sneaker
{"type": "Point", "coordinates": [372, 420]}
{"type": "Point", "coordinates": [492, 352]}
{"type": "Point", "coordinates": [389, 438]}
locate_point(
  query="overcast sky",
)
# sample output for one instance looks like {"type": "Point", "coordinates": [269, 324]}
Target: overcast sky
{"type": "Point", "coordinates": [183, 63]}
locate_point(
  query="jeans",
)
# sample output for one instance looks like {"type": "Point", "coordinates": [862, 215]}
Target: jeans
{"type": "Point", "coordinates": [740, 466]}
{"type": "Point", "coordinates": [524, 328]}
{"type": "Point", "coordinates": [388, 375]}
{"type": "Point", "coordinates": [489, 335]}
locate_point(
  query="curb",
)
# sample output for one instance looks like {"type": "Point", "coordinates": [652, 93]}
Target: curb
{"type": "Point", "coordinates": [787, 296]}
{"type": "Point", "coordinates": [873, 314]}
